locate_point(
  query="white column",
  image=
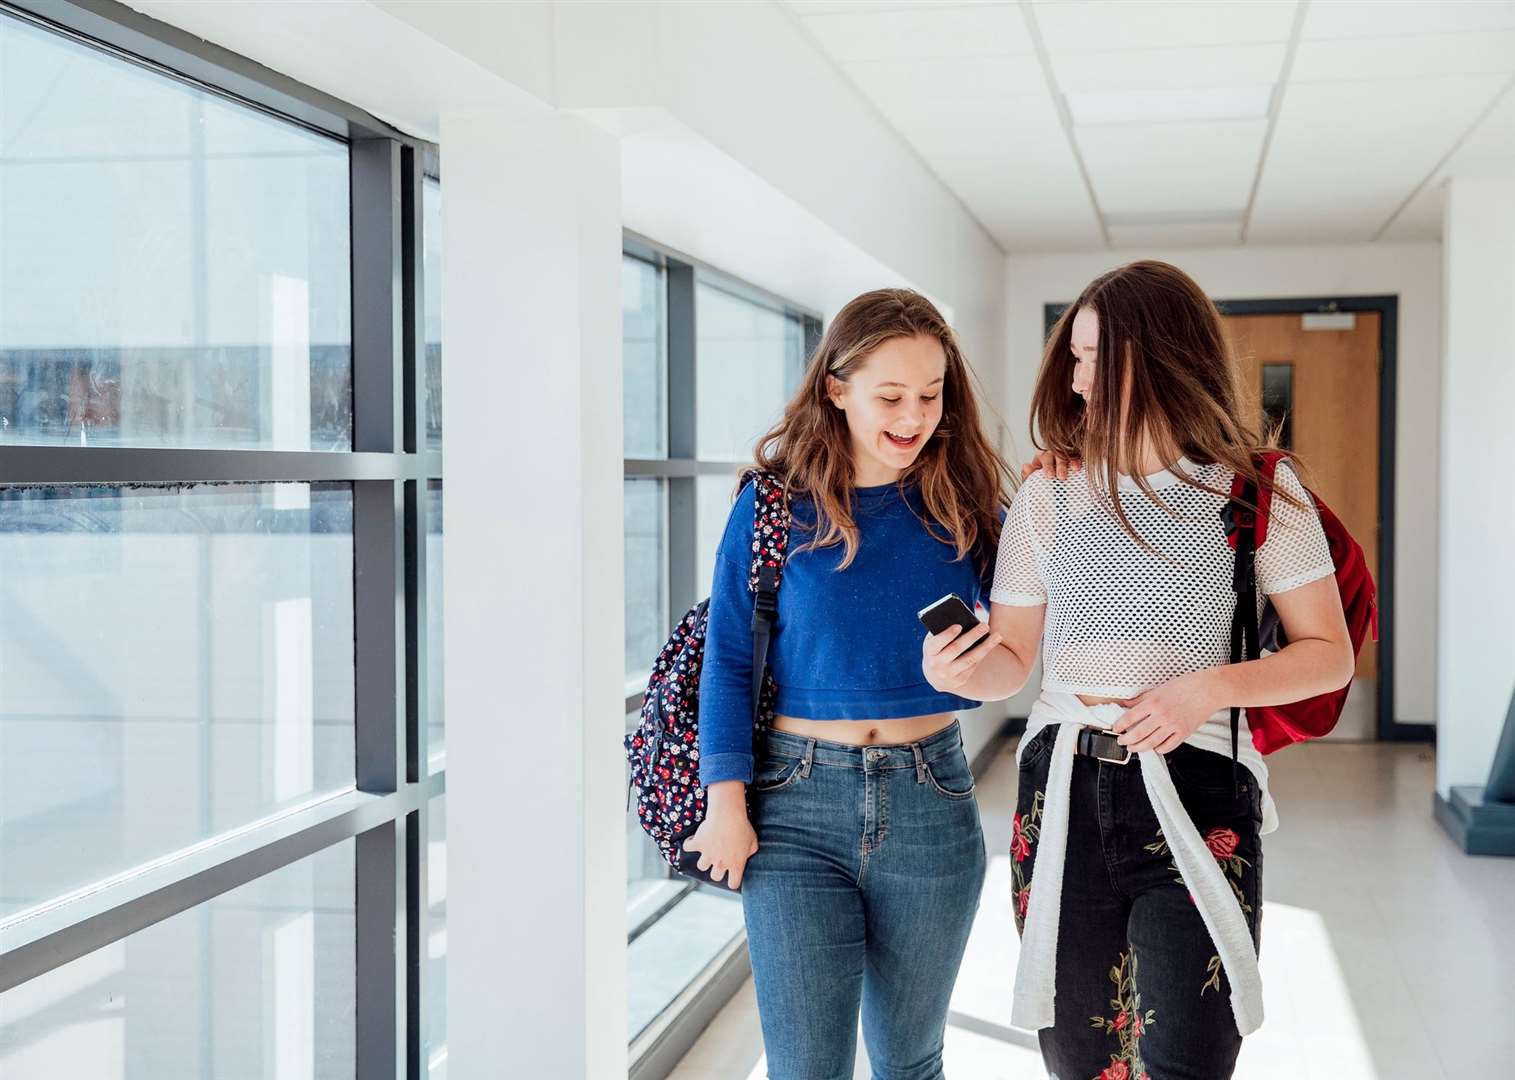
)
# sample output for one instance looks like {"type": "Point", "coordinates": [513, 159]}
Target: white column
{"type": "Point", "coordinates": [1475, 669]}
{"type": "Point", "coordinates": [536, 967]}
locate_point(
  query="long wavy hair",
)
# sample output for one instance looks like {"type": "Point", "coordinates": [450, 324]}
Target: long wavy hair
{"type": "Point", "coordinates": [964, 482]}
{"type": "Point", "coordinates": [1163, 369]}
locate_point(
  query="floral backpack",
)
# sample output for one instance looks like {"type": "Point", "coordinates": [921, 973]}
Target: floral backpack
{"type": "Point", "coordinates": [1276, 726]}
{"type": "Point", "coordinates": [664, 750]}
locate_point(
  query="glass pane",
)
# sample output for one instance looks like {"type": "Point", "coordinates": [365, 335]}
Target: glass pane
{"type": "Point", "coordinates": [436, 720]}
{"type": "Point", "coordinates": [747, 357]}
{"type": "Point", "coordinates": [1278, 400]}
{"type": "Point", "coordinates": [176, 662]}
{"type": "Point", "coordinates": [647, 624]}
{"type": "Point", "coordinates": [174, 267]}
{"type": "Point", "coordinates": [257, 983]}
{"type": "Point", "coordinates": [673, 951]}
{"type": "Point", "coordinates": [644, 351]}
{"type": "Point", "coordinates": [431, 272]}
{"type": "Point", "coordinates": [436, 948]}
{"type": "Point", "coordinates": [713, 495]}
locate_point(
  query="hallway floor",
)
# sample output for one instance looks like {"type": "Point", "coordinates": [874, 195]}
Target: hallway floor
{"type": "Point", "coordinates": [1387, 953]}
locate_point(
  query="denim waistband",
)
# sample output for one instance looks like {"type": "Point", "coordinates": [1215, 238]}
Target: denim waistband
{"type": "Point", "coordinates": [872, 756]}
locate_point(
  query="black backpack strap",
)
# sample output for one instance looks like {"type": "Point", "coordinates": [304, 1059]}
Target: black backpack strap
{"type": "Point", "coordinates": [1241, 522]}
{"type": "Point", "coordinates": [770, 532]}
{"type": "Point", "coordinates": [765, 609]}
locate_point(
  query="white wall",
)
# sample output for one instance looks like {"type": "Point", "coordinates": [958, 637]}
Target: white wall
{"type": "Point", "coordinates": [1410, 271]}
{"type": "Point", "coordinates": [1476, 643]}
{"type": "Point", "coordinates": [536, 901]}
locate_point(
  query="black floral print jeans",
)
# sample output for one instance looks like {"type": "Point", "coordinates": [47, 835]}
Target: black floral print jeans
{"type": "Point", "coordinates": [1141, 994]}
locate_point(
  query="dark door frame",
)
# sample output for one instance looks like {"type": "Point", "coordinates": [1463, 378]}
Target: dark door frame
{"type": "Point", "coordinates": [1387, 307]}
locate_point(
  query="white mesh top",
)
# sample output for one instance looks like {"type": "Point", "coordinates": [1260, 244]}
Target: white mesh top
{"type": "Point", "coordinates": [1121, 620]}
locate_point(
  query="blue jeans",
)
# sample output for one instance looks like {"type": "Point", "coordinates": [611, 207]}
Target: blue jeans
{"type": "Point", "coordinates": [862, 894]}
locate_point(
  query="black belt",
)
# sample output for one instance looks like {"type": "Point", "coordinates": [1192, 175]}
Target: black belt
{"type": "Point", "coordinates": [1104, 745]}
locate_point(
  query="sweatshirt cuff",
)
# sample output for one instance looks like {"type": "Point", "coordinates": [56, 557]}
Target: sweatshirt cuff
{"type": "Point", "coordinates": [732, 766]}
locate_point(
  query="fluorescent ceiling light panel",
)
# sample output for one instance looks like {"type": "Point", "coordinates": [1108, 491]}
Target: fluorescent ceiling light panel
{"type": "Point", "coordinates": [1170, 106]}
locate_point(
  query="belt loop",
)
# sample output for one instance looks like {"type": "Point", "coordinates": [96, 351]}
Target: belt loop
{"type": "Point", "coordinates": [920, 763]}
{"type": "Point", "coordinates": [809, 757]}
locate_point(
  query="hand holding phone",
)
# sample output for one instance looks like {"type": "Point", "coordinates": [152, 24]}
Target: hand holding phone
{"type": "Point", "coordinates": [949, 665]}
{"type": "Point", "coordinates": [947, 612]}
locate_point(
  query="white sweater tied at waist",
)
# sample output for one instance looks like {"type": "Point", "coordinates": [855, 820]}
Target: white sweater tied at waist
{"type": "Point", "coordinates": [1035, 977]}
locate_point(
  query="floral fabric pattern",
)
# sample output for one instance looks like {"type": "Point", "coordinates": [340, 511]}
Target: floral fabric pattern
{"type": "Point", "coordinates": [1128, 1025]}
{"type": "Point", "coordinates": [1024, 832]}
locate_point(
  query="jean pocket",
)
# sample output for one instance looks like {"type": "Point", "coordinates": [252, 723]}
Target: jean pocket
{"type": "Point", "coordinates": [776, 773]}
{"type": "Point", "coordinates": [1205, 772]}
{"type": "Point", "coordinates": [950, 776]}
{"type": "Point", "coordinates": [1034, 752]}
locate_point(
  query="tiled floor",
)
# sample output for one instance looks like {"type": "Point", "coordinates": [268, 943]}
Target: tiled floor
{"type": "Point", "coordinates": [1387, 953]}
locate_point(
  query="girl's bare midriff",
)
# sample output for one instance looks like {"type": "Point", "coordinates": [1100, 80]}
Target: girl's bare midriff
{"type": "Point", "coordinates": [865, 732]}
{"type": "Point", "coordinates": [882, 732]}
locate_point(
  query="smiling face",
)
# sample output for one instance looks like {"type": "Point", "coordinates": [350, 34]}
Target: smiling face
{"type": "Point", "coordinates": [893, 404]}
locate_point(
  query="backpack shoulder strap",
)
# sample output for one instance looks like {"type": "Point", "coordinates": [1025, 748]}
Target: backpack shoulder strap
{"type": "Point", "coordinates": [1242, 534]}
{"type": "Point", "coordinates": [770, 547]}
{"type": "Point", "coordinates": [770, 528]}
{"type": "Point", "coordinates": [1267, 464]}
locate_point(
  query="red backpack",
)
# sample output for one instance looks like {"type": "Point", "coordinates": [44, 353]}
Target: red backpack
{"type": "Point", "coordinates": [1275, 726]}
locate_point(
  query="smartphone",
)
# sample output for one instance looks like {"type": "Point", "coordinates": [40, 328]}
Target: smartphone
{"type": "Point", "coordinates": [950, 611]}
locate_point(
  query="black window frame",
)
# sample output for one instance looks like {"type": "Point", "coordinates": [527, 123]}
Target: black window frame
{"type": "Point", "coordinates": [389, 468]}
{"type": "Point", "coordinates": [681, 466]}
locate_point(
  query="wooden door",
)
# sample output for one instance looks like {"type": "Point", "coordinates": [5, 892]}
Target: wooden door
{"type": "Point", "coordinates": [1332, 377]}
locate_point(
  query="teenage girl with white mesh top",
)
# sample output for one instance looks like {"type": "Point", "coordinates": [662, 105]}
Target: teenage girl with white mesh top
{"type": "Point", "coordinates": [1136, 857]}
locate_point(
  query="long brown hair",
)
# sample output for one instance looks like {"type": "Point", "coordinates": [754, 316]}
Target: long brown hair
{"type": "Point", "coordinates": [1162, 352]}
{"type": "Point", "coordinates": [964, 482]}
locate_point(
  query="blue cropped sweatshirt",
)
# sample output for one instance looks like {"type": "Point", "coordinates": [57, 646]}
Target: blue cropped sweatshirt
{"type": "Point", "coordinates": [847, 643]}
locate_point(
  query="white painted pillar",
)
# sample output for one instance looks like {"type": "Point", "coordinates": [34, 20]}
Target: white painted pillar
{"type": "Point", "coordinates": [1475, 669]}
{"type": "Point", "coordinates": [531, 256]}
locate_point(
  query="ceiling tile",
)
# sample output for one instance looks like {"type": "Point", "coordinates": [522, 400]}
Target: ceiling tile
{"type": "Point", "coordinates": [1383, 18]}
{"type": "Point", "coordinates": [863, 7]}
{"type": "Point", "coordinates": [1010, 164]}
{"type": "Point", "coordinates": [1491, 145]}
{"type": "Point", "coordinates": [1421, 218]}
{"type": "Point", "coordinates": [1166, 168]}
{"type": "Point", "coordinates": [1093, 25]}
{"type": "Point", "coordinates": [1405, 57]}
{"type": "Point", "coordinates": [921, 33]}
{"type": "Point", "coordinates": [950, 78]}
{"type": "Point", "coordinates": [1169, 69]}
{"type": "Point", "coordinates": [1126, 237]}
{"type": "Point", "coordinates": [1170, 106]}
{"type": "Point", "coordinates": [1345, 155]}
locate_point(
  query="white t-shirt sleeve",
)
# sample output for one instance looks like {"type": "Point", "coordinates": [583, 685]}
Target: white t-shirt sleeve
{"type": "Point", "coordinates": [1017, 571]}
{"type": "Point", "coordinates": [1296, 551]}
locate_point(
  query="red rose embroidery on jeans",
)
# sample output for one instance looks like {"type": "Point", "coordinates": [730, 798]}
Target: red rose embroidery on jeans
{"type": "Point", "coordinates": [1222, 843]}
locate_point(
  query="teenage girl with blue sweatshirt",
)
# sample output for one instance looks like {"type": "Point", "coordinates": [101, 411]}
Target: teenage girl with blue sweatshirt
{"type": "Point", "coordinates": [861, 864]}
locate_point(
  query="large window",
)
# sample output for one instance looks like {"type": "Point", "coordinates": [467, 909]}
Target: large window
{"type": "Point", "coordinates": [709, 364]}
{"type": "Point", "coordinates": [222, 829]}
{"type": "Point", "coordinates": [173, 267]}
